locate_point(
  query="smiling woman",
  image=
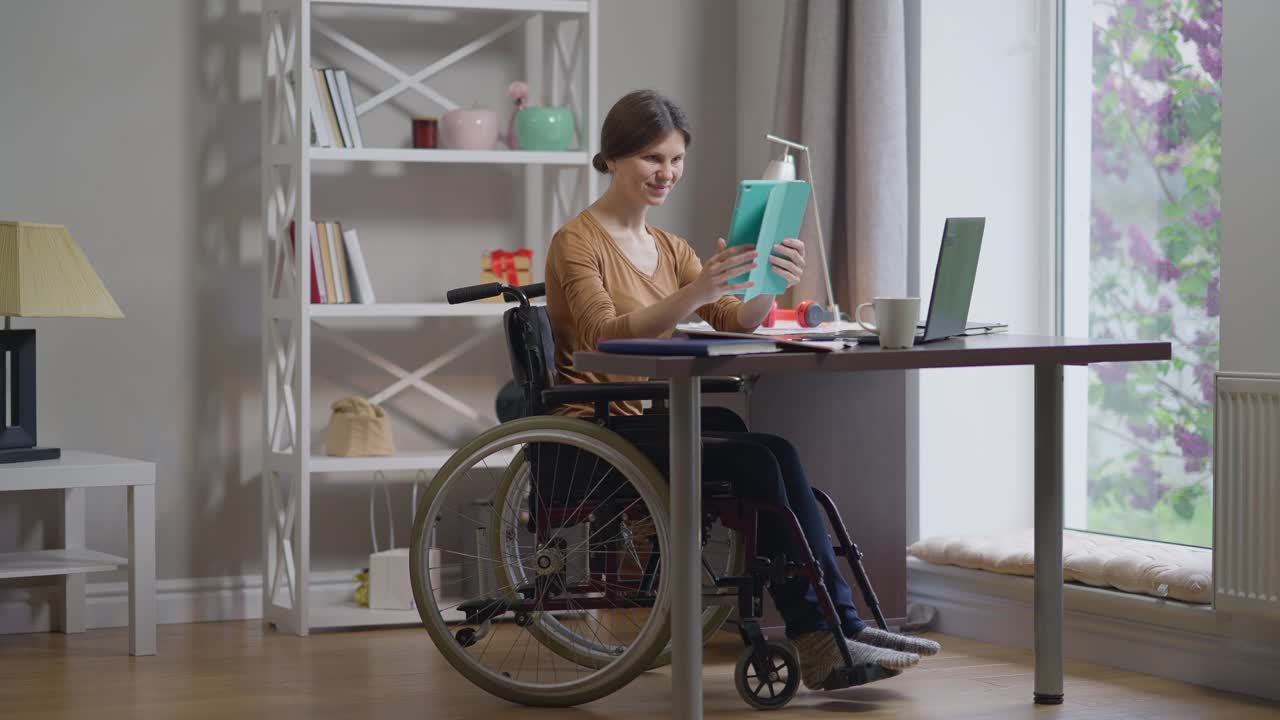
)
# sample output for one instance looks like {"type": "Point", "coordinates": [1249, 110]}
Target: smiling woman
{"type": "Point", "coordinates": [612, 275]}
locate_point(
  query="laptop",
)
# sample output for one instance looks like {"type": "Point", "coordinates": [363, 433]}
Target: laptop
{"type": "Point", "coordinates": [952, 285]}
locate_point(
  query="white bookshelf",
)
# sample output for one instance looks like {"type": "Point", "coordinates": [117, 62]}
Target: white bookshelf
{"type": "Point", "coordinates": [539, 6]}
{"type": "Point", "coordinates": [493, 157]}
{"type": "Point", "coordinates": [560, 62]}
{"type": "Point", "coordinates": [408, 461]}
{"type": "Point", "coordinates": [409, 310]}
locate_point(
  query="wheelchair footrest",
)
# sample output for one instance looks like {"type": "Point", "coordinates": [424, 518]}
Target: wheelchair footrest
{"type": "Point", "coordinates": [482, 610]}
{"type": "Point", "coordinates": [846, 677]}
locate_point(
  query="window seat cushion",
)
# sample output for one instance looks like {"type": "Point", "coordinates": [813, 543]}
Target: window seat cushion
{"type": "Point", "coordinates": [1137, 566]}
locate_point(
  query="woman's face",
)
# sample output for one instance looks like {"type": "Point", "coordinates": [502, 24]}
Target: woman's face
{"type": "Point", "coordinates": [649, 176]}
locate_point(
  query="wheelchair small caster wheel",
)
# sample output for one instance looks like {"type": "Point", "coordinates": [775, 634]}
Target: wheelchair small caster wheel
{"type": "Point", "coordinates": [523, 619]}
{"type": "Point", "coordinates": [772, 686]}
{"type": "Point", "coordinates": [466, 637]}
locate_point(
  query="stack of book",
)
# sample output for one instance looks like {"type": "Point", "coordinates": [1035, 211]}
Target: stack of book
{"type": "Point", "coordinates": [333, 114]}
{"type": "Point", "coordinates": [338, 271]}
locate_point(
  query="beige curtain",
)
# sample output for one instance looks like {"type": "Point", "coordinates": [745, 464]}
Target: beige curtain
{"type": "Point", "coordinates": [842, 91]}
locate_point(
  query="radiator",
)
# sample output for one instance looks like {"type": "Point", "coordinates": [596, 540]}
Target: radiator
{"type": "Point", "coordinates": [1246, 494]}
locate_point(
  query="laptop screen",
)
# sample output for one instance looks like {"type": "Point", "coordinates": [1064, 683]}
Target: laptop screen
{"type": "Point", "coordinates": [953, 279]}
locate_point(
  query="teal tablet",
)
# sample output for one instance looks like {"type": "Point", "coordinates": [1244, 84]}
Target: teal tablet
{"type": "Point", "coordinates": [766, 213]}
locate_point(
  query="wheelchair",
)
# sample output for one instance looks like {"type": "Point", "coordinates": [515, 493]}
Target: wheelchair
{"type": "Point", "coordinates": [536, 558]}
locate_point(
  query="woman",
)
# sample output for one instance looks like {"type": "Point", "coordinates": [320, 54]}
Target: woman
{"type": "Point", "coordinates": [611, 275]}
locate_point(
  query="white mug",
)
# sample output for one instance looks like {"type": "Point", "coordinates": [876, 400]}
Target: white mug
{"type": "Point", "coordinates": [896, 320]}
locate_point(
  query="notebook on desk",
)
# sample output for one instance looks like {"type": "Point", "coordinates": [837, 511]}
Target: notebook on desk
{"type": "Point", "coordinates": [695, 347]}
{"type": "Point", "coordinates": [798, 341]}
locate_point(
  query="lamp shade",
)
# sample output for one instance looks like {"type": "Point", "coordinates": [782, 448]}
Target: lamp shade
{"type": "Point", "coordinates": [43, 273]}
{"type": "Point", "coordinates": [784, 169]}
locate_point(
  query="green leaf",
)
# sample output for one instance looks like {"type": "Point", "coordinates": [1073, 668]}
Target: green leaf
{"type": "Point", "coordinates": [1184, 507]}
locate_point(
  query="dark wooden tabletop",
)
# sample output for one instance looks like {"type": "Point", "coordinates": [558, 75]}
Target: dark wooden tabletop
{"type": "Point", "coordinates": [972, 351]}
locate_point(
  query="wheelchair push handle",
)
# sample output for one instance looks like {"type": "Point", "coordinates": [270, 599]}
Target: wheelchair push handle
{"type": "Point", "coordinates": [521, 293]}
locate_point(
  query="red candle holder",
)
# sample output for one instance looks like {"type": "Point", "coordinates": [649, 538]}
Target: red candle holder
{"type": "Point", "coordinates": [424, 132]}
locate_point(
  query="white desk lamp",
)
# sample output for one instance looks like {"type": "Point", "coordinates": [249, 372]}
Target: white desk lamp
{"type": "Point", "coordinates": [784, 168]}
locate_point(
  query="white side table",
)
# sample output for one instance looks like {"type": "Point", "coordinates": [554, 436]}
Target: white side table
{"type": "Point", "coordinates": [71, 474]}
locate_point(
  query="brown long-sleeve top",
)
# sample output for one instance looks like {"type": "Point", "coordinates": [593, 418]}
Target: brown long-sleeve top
{"type": "Point", "coordinates": [592, 289]}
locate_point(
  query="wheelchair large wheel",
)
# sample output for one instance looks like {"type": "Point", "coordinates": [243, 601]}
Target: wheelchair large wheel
{"type": "Point", "coordinates": [511, 542]}
{"type": "Point", "coordinates": [579, 589]}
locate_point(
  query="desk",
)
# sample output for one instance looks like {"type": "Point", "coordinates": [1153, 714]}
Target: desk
{"type": "Point", "coordinates": [72, 473]}
{"type": "Point", "coordinates": [1048, 355]}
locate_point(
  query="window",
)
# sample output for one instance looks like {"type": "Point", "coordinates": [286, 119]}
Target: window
{"type": "Point", "coordinates": [1141, 118]}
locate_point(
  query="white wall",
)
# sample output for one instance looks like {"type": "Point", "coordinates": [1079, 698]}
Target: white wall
{"type": "Point", "coordinates": [138, 128]}
{"type": "Point", "coordinates": [981, 140]}
{"type": "Point", "coordinates": [1250, 178]}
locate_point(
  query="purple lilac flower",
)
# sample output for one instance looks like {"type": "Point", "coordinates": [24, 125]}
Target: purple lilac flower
{"type": "Point", "coordinates": [1150, 433]}
{"type": "Point", "coordinates": [1164, 305]}
{"type": "Point", "coordinates": [1111, 373]}
{"type": "Point", "coordinates": [1193, 444]}
{"type": "Point", "coordinates": [1211, 298]}
{"type": "Point", "coordinates": [1105, 234]}
{"type": "Point", "coordinates": [1167, 271]}
{"type": "Point", "coordinates": [1211, 61]}
{"type": "Point", "coordinates": [1156, 69]}
{"type": "Point", "coordinates": [1205, 220]}
{"type": "Point", "coordinates": [1140, 250]}
{"type": "Point", "coordinates": [1169, 133]}
{"type": "Point", "coordinates": [1141, 13]}
{"type": "Point", "coordinates": [1144, 469]}
{"type": "Point", "coordinates": [1204, 339]}
{"type": "Point", "coordinates": [1208, 29]}
{"type": "Point", "coordinates": [1205, 378]}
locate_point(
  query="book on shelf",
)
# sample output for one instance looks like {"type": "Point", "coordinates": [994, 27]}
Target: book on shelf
{"type": "Point", "coordinates": [355, 257]}
{"type": "Point", "coordinates": [326, 264]}
{"type": "Point", "coordinates": [319, 120]}
{"type": "Point", "coordinates": [349, 108]}
{"type": "Point", "coordinates": [293, 248]}
{"type": "Point", "coordinates": [334, 121]}
{"type": "Point", "coordinates": [340, 262]}
{"type": "Point", "coordinates": [319, 293]}
{"type": "Point", "coordinates": [340, 114]}
{"type": "Point", "coordinates": [338, 271]}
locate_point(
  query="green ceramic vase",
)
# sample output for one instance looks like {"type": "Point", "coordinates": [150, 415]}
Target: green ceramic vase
{"type": "Point", "coordinates": [544, 128]}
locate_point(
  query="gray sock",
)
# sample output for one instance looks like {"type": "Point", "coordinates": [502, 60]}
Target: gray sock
{"type": "Point", "coordinates": [819, 657]}
{"type": "Point", "coordinates": [893, 641]}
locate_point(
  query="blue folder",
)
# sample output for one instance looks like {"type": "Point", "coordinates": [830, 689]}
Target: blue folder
{"type": "Point", "coordinates": [766, 213]}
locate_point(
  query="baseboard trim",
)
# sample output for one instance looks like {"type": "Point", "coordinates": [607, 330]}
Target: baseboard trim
{"type": "Point", "coordinates": [1174, 640]}
{"type": "Point", "coordinates": [186, 600]}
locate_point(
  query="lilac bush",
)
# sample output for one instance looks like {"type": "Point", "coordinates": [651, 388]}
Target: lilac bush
{"type": "Point", "coordinates": [1154, 262]}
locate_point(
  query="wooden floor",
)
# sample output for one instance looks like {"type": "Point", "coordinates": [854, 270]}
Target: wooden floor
{"type": "Point", "coordinates": [240, 670]}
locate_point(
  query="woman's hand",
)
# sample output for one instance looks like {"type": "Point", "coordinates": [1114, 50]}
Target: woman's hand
{"type": "Point", "coordinates": [787, 260]}
{"type": "Point", "coordinates": [726, 264]}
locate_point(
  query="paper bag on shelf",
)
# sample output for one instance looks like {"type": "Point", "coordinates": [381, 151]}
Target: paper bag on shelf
{"type": "Point", "coordinates": [359, 429]}
{"type": "Point", "coordinates": [509, 267]}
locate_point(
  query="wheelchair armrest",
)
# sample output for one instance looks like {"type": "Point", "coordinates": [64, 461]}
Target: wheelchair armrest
{"type": "Point", "coordinates": [651, 390]}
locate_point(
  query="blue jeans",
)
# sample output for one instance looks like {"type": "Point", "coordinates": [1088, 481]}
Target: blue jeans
{"type": "Point", "coordinates": [760, 466]}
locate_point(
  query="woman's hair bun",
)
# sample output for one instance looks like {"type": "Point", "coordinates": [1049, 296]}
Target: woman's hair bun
{"type": "Point", "coordinates": [599, 164]}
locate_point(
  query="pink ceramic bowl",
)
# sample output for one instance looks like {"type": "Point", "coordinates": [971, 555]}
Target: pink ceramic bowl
{"type": "Point", "coordinates": [469, 129]}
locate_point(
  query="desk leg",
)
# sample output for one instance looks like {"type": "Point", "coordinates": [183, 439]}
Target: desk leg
{"type": "Point", "coordinates": [685, 551]}
{"type": "Point", "coordinates": [1048, 535]}
{"type": "Point", "coordinates": [72, 620]}
{"type": "Point", "coordinates": [142, 570]}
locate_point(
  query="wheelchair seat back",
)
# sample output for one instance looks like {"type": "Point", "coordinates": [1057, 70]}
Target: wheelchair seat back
{"type": "Point", "coordinates": [531, 348]}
